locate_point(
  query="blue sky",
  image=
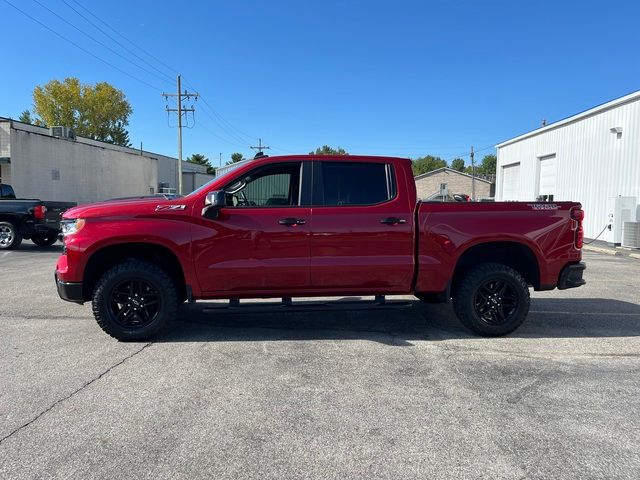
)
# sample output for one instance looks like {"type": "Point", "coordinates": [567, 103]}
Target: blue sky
{"type": "Point", "coordinates": [404, 78]}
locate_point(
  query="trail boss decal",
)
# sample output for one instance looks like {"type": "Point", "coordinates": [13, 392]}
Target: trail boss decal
{"type": "Point", "coordinates": [543, 206]}
{"type": "Point", "coordinates": [166, 208]}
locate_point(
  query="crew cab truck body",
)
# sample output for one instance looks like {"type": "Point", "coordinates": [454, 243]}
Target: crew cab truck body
{"type": "Point", "coordinates": [298, 226]}
{"type": "Point", "coordinates": [29, 219]}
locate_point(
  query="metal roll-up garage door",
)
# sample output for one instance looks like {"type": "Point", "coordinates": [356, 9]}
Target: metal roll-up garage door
{"type": "Point", "coordinates": [511, 182]}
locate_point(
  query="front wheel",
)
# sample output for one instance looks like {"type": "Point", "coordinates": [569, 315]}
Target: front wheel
{"type": "Point", "coordinates": [492, 300]}
{"type": "Point", "coordinates": [44, 240]}
{"type": "Point", "coordinates": [134, 300]}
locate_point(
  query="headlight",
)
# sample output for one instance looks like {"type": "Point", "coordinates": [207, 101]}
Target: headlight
{"type": "Point", "coordinates": [70, 227]}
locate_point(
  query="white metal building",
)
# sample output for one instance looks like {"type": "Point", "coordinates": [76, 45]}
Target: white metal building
{"type": "Point", "coordinates": [53, 165]}
{"type": "Point", "coordinates": [591, 157]}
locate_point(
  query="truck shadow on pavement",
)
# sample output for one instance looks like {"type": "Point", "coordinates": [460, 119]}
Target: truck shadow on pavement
{"type": "Point", "coordinates": [28, 247]}
{"type": "Point", "coordinates": [395, 323]}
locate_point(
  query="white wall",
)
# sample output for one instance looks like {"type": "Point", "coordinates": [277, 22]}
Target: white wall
{"type": "Point", "coordinates": [592, 163]}
{"type": "Point", "coordinates": [193, 180]}
{"type": "Point", "coordinates": [88, 170]}
{"type": "Point", "coordinates": [86, 173]}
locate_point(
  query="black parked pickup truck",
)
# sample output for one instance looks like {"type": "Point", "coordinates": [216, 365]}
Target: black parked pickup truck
{"type": "Point", "coordinates": [28, 218]}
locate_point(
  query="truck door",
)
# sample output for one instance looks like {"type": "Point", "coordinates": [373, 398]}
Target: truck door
{"type": "Point", "coordinates": [362, 228]}
{"type": "Point", "coordinates": [259, 242]}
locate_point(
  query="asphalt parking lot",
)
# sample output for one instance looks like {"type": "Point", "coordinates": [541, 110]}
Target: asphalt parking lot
{"type": "Point", "coordinates": [399, 391]}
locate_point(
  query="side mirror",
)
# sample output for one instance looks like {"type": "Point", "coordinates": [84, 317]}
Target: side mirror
{"type": "Point", "coordinates": [213, 202]}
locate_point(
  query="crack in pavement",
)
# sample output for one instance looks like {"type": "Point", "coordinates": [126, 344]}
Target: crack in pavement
{"type": "Point", "coordinates": [78, 390]}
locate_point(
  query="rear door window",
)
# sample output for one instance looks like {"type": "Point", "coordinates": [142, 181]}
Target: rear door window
{"type": "Point", "coordinates": [356, 183]}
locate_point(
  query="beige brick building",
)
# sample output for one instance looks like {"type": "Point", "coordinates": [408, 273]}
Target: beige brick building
{"type": "Point", "coordinates": [453, 181]}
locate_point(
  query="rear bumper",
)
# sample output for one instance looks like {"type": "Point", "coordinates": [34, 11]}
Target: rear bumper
{"type": "Point", "coordinates": [69, 291]}
{"type": "Point", "coordinates": [571, 276]}
{"type": "Point", "coordinates": [31, 228]}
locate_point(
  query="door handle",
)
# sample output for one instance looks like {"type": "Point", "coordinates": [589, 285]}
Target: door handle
{"type": "Point", "coordinates": [291, 222]}
{"type": "Point", "coordinates": [393, 220]}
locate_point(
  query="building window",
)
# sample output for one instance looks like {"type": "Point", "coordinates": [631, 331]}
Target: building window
{"type": "Point", "coordinates": [55, 174]}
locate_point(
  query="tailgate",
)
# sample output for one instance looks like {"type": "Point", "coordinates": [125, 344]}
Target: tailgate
{"type": "Point", "coordinates": [55, 211]}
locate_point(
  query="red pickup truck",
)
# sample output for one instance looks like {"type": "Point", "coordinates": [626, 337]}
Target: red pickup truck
{"type": "Point", "coordinates": [295, 226]}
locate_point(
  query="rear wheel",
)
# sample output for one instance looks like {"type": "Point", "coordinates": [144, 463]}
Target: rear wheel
{"type": "Point", "coordinates": [44, 240]}
{"type": "Point", "coordinates": [134, 300]}
{"type": "Point", "coordinates": [492, 299]}
{"type": "Point", "coordinates": [10, 238]}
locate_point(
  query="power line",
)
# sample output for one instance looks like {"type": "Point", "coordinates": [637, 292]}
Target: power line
{"type": "Point", "coordinates": [212, 133]}
{"type": "Point", "coordinates": [116, 41]}
{"type": "Point", "coordinates": [229, 132]}
{"type": "Point", "coordinates": [225, 121]}
{"type": "Point", "coordinates": [115, 52]}
{"type": "Point", "coordinates": [244, 143]}
{"type": "Point", "coordinates": [225, 125]}
{"type": "Point", "coordinates": [82, 48]}
{"type": "Point", "coordinates": [173, 70]}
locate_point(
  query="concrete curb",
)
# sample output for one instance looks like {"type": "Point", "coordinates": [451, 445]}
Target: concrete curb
{"type": "Point", "coordinates": [635, 255]}
{"type": "Point", "coordinates": [608, 251]}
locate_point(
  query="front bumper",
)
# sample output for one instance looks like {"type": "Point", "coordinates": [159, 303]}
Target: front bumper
{"type": "Point", "coordinates": [69, 291]}
{"type": "Point", "coordinates": [571, 276]}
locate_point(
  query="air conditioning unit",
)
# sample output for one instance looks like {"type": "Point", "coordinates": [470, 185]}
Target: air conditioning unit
{"type": "Point", "coordinates": [163, 187]}
{"type": "Point", "coordinates": [631, 234]}
{"type": "Point", "coordinates": [62, 132]}
{"type": "Point", "coordinates": [619, 210]}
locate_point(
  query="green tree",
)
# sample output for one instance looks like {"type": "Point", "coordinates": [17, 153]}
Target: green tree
{"type": "Point", "coordinates": [25, 117]}
{"type": "Point", "coordinates": [99, 111]}
{"type": "Point", "coordinates": [200, 159]}
{"type": "Point", "coordinates": [327, 150]}
{"type": "Point", "coordinates": [427, 164]}
{"type": "Point", "coordinates": [235, 158]}
{"type": "Point", "coordinates": [488, 164]}
{"type": "Point", "coordinates": [457, 164]}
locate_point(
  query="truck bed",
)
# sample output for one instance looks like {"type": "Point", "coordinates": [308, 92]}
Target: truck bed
{"type": "Point", "coordinates": [519, 230]}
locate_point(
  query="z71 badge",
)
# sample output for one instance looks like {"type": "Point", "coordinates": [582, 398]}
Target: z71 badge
{"type": "Point", "coordinates": [166, 208]}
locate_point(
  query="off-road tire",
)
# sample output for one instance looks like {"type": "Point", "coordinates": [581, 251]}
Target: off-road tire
{"type": "Point", "coordinates": [471, 289]}
{"type": "Point", "coordinates": [44, 240]}
{"type": "Point", "coordinates": [16, 238]}
{"type": "Point", "coordinates": [134, 270]}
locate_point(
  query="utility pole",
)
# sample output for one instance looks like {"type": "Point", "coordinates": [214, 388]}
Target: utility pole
{"type": "Point", "coordinates": [180, 110]}
{"type": "Point", "coordinates": [220, 161]}
{"type": "Point", "coordinates": [473, 176]}
{"type": "Point", "coordinates": [260, 147]}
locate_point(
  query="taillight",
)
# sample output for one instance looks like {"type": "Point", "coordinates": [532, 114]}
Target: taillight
{"type": "Point", "coordinates": [39, 212]}
{"type": "Point", "coordinates": [577, 214]}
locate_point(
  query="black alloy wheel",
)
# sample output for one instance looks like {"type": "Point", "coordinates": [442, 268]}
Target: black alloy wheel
{"type": "Point", "coordinates": [495, 302]}
{"type": "Point", "coordinates": [134, 303]}
{"type": "Point", "coordinates": [491, 299]}
{"type": "Point", "coordinates": [135, 300]}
